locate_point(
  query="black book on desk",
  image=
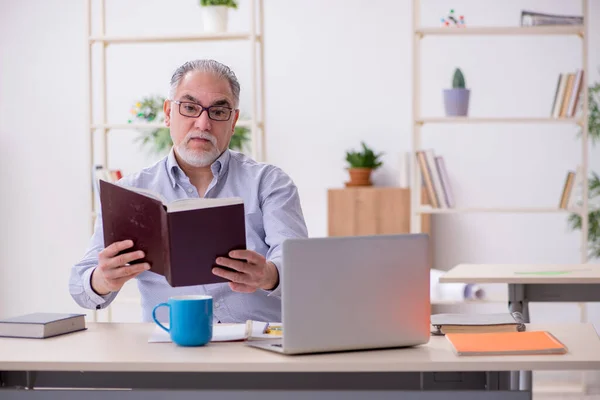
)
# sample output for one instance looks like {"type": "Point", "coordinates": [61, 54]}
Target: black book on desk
{"type": "Point", "coordinates": [41, 325]}
{"type": "Point", "coordinates": [181, 239]}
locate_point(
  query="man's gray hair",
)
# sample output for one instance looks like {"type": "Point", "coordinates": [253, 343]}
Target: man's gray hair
{"type": "Point", "coordinates": [208, 66]}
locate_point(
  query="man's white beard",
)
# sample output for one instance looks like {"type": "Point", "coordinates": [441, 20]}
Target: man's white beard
{"type": "Point", "coordinates": [195, 157]}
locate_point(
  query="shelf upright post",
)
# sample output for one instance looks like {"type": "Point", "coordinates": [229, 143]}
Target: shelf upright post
{"type": "Point", "coordinates": [415, 184]}
{"type": "Point", "coordinates": [89, 112]}
{"type": "Point", "coordinates": [256, 154]}
{"type": "Point", "coordinates": [103, 104]}
{"type": "Point", "coordinates": [261, 60]}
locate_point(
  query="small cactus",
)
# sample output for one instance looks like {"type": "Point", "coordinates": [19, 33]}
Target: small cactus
{"type": "Point", "coordinates": [458, 81]}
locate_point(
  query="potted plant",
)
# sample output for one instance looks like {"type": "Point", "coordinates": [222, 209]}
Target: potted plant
{"type": "Point", "coordinates": [574, 220]}
{"type": "Point", "coordinates": [215, 13]}
{"type": "Point", "coordinates": [362, 163]}
{"type": "Point", "coordinates": [150, 109]}
{"type": "Point", "coordinates": [456, 100]}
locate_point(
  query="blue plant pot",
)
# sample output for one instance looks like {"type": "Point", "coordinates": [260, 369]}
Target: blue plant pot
{"type": "Point", "coordinates": [456, 102]}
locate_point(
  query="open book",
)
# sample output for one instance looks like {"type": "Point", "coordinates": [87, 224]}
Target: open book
{"type": "Point", "coordinates": [251, 330]}
{"type": "Point", "coordinates": [181, 239]}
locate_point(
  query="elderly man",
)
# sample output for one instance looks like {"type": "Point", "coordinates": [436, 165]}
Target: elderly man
{"type": "Point", "coordinates": [201, 111]}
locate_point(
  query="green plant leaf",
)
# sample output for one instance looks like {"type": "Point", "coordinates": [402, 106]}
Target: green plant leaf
{"type": "Point", "coordinates": [593, 113]}
{"type": "Point", "coordinates": [574, 221]}
{"type": "Point", "coordinates": [240, 138]}
{"type": "Point", "coordinates": [458, 80]}
{"type": "Point", "coordinates": [228, 3]}
{"type": "Point", "coordinates": [363, 159]}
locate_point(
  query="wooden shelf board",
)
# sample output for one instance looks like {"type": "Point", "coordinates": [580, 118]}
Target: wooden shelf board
{"type": "Point", "coordinates": [499, 30]}
{"type": "Point", "coordinates": [245, 123]}
{"type": "Point", "coordinates": [507, 120]}
{"type": "Point", "coordinates": [198, 37]}
{"type": "Point", "coordinates": [536, 210]}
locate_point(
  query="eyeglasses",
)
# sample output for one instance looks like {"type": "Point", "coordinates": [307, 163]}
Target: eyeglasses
{"type": "Point", "coordinates": [194, 110]}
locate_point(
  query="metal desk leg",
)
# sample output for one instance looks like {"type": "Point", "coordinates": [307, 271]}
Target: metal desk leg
{"type": "Point", "coordinates": [526, 377]}
{"type": "Point", "coordinates": [30, 377]}
{"type": "Point", "coordinates": [525, 310]}
{"type": "Point", "coordinates": [518, 303]}
{"type": "Point", "coordinates": [516, 300]}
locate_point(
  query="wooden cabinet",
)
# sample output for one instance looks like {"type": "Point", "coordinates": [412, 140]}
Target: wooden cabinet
{"type": "Point", "coordinates": [371, 210]}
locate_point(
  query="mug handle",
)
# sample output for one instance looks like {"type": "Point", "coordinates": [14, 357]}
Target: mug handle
{"type": "Point", "coordinates": [154, 315]}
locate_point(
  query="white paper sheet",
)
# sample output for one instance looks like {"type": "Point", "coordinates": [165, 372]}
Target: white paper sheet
{"type": "Point", "coordinates": [221, 333]}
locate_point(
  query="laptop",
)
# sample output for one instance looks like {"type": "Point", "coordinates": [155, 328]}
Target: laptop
{"type": "Point", "coordinates": [353, 293]}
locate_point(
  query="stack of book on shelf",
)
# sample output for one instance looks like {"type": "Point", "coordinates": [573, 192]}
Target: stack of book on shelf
{"type": "Point", "coordinates": [567, 94]}
{"type": "Point", "coordinates": [108, 175]}
{"type": "Point", "coordinates": [573, 181]}
{"type": "Point", "coordinates": [532, 18]}
{"type": "Point", "coordinates": [435, 179]}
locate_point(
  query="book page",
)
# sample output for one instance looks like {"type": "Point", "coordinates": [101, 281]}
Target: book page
{"type": "Point", "coordinates": [197, 203]}
{"type": "Point", "coordinates": [227, 332]}
{"type": "Point", "coordinates": [221, 333]}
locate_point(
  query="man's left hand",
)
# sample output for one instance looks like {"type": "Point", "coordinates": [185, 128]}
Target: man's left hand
{"type": "Point", "coordinates": [251, 271]}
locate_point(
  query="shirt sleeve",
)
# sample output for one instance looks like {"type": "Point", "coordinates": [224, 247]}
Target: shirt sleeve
{"type": "Point", "coordinates": [282, 217]}
{"type": "Point", "coordinates": [80, 286]}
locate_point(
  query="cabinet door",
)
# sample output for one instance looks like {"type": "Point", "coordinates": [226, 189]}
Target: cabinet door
{"type": "Point", "coordinates": [370, 211]}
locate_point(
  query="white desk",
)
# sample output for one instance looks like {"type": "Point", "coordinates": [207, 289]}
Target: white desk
{"type": "Point", "coordinates": [533, 282]}
{"type": "Point", "coordinates": [118, 356]}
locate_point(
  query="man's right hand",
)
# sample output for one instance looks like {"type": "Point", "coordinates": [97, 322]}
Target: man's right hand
{"type": "Point", "coordinates": [113, 270]}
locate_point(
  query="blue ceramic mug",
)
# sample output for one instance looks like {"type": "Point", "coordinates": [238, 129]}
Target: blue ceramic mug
{"type": "Point", "coordinates": [190, 319]}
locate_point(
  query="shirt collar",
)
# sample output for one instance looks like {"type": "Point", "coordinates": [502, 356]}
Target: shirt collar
{"type": "Point", "coordinates": [219, 167]}
{"type": "Point", "coordinates": [221, 164]}
{"type": "Point", "coordinates": [173, 168]}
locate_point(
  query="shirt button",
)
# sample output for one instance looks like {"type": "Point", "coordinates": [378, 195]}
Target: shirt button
{"type": "Point", "coordinates": [217, 305]}
{"type": "Point", "coordinates": [190, 190]}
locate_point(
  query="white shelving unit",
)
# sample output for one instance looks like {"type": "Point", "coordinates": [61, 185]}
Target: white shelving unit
{"type": "Point", "coordinates": [418, 121]}
{"type": "Point", "coordinates": [100, 38]}
{"type": "Point", "coordinates": [525, 30]}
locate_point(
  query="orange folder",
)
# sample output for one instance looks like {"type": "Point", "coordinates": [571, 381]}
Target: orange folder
{"type": "Point", "coordinates": [505, 343]}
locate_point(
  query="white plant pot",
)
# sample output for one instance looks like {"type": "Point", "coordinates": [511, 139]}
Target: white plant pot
{"type": "Point", "coordinates": [214, 18]}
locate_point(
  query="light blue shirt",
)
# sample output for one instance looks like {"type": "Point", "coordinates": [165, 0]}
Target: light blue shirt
{"type": "Point", "coordinates": [273, 214]}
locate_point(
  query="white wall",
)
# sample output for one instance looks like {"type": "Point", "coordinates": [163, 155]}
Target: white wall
{"type": "Point", "coordinates": [328, 65]}
{"type": "Point", "coordinates": [45, 182]}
